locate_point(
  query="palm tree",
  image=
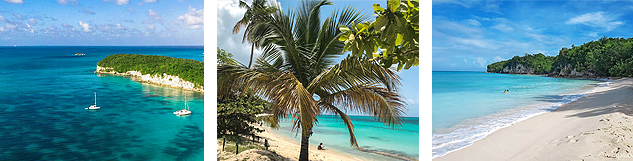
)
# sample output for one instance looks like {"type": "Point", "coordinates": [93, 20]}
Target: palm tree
{"type": "Point", "coordinates": [249, 22]}
{"type": "Point", "coordinates": [297, 74]}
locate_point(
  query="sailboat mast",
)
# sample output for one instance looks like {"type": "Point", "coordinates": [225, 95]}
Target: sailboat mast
{"type": "Point", "coordinates": [95, 98]}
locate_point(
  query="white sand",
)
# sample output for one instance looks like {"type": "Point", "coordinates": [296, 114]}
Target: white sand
{"type": "Point", "coordinates": [595, 127]}
{"type": "Point", "coordinates": [284, 149]}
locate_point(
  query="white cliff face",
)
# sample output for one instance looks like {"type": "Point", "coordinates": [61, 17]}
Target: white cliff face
{"type": "Point", "coordinates": [165, 79]}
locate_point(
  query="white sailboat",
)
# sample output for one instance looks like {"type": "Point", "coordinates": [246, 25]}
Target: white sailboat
{"type": "Point", "coordinates": [94, 107]}
{"type": "Point", "coordinates": [184, 111]}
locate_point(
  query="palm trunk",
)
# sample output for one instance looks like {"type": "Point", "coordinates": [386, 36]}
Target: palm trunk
{"type": "Point", "coordinates": [303, 155]}
{"type": "Point", "coordinates": [251, 61]}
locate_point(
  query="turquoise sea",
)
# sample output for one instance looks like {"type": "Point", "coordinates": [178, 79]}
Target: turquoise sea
{"type": "Point", "coordinates": [467, 106]}
{"type": "Point", "coordinates": [370, 134]}
{"type": "Point", "coordinates": [43, 93]}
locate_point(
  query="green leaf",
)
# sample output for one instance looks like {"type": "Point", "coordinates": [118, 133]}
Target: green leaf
{"type": "Point", "coordinates": [344, 29]}
{"type": "Point", "coordinates": [392, 5]}
{"type": "Point", "coordinates": [359, 48]}
{"type": "Point", "coordinates": [400, 66]}
{"type": "Point", "coordinates": [347, 45]}
{"type": "Point", "coordinates": [380, 23]}
{"type": "Point", "coordinates": [399, 40]}
{"type": "Point", "coordinates": [360, 27]}
{"type": "Point", "coordinates": [343, 37]}
{"type": "Point", "coordinates": [388, 52]}
{"type": "Point", "coordinates": [412, 62]}
{"type": "Point", "coordinates": [369, 47]}
{"type": "Point", "coordinates": [377, 8]}
{"type": "Point", "coordinates": [354, 49]}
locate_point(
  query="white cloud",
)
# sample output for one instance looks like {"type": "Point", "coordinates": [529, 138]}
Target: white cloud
{"type": "Point", "coordinates": [32, 21]}
{"type": "Point", "coordinates": [481, 62]}
{"type": "Point", "coordinates": [465, 61]}
{"type": "Point", "coordinates": [503, 27]}
{"type": "Point", "coordinates": [118, 26]}
{"type": "Point", "coordinates": [473, 22]}
{"type": "Point", "coordinates": [474, 42]}
{"type": "Point", "coordinates": [10, 26]}
{"type": "Point", "coordinates": [85, 26]}
{"type": "Point", "coordinates": [193, 18]}
{"type": "Point", "coordinates": [29, 30]}
{"type": "Point", "coordinates": [66, 1]}
{"type": "Point", "coordinates": [14, 1]}
{"type": "Point", "coordinates": [497, 58]}
{"type": "Point", "coordinates": [467, 4]}
{"type": "Point", "coordinates": [412, 101]}
{"type": "Point", "coordinates": [1, 18]}
{"type": "Point", "coordinates": [150, 27]}
{"type": "Point", "coordinates": [120, 2]}
{"type": "Point", "coordinates": [455, 27]}
{"type": "Point", "coordinates": [2, 29]}
{"type": "Point", "coordinates": [153, 14]}
{"type": "Point", "coordinates": [494, 8]}
{"type": "Point", "coordinates": [597, 19]}
{"type": "Point", "coordinates": [130, 9]}
{"type": "Point", "coordinates": [228, 14]}
{"type": "Point", "coordinates": [150, 1]}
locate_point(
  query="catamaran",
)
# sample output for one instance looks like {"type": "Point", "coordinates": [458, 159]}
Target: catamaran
{"type": "Point", "coordinates": [184, 111]}
{"type": "Point", "coordinates": [94, 107]}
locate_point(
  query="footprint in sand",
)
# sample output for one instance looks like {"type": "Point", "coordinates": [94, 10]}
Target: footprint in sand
{"type": "Point", "coordinates": [586, 133]}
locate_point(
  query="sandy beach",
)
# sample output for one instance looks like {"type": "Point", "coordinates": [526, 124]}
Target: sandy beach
{"type": "Point", "coordinates": [595, 127]}
{"type": "Point", "coordinates": [284, 149]}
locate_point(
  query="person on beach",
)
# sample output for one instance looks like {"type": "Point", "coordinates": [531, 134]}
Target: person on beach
{"type": "Point", "coordinates": [266, 144]}
{"type": "Point", "coordinates": [320, 147]}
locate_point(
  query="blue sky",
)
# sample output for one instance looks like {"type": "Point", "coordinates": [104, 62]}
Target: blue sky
{"type": "Point", "coordinates": [468, 35]}
{"type": "Point", "coordinates": [229, 14]}
{"type": "Point", "coordinates": [101, 22]}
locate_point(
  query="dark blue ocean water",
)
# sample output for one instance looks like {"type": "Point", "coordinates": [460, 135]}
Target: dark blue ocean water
{"type": "Point", "coordinates": [43, 93]}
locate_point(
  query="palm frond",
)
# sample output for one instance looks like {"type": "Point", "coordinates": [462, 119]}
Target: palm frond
{"type": "Point", "coordinates": [387, 107]}
{"type": "Point", "coordinates": [352, 72]}
{"type": "Point", "coordinates": [288, 95]}
{"type": "Point", "coordinates": [329, 48]}
{"type": "Point", "coordinates": [348, 122]}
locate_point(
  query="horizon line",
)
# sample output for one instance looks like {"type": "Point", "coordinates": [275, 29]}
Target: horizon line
{"type": "Point", "coordinates": [456, 71]}
{"type": "Point", "coordinates": [89, 45]}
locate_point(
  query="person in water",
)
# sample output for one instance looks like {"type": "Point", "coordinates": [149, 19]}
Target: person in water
{"type": "Point", "coordinates": [320, 147]}
{"type": "Point", "coordinates": [506, 91]}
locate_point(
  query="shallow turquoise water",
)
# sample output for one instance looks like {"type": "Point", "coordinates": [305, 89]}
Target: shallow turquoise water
{"type": "Point", "coordinates": [43, 93]}
{"type": "Point", "coordinates": [467, 106]}
{"type": "Point", "coordinates": [370, 134]}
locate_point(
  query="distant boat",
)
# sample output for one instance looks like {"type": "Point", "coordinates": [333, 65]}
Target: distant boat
{"type": "Point", "coordinates": [184, 111]}
{"type": "Point", "coordinates": [94, 107]}
{"type": "Point", "coordinates": [80, 54]}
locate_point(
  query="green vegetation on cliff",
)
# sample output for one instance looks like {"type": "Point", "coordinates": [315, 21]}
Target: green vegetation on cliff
{"type": "Point", "coordinates": [188, 70]}
{"type": "Point", "coordinates": [611, 57]}
{"type": "Point", "coordinates": [540, 63]}
{"type": "Point", "coordinates": [607, 57]}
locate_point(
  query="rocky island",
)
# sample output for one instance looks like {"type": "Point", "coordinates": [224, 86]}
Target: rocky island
{"type": "Point", "coordinates": [162, 70]}
{"type": "Point", "coordinates": [607, 57]}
